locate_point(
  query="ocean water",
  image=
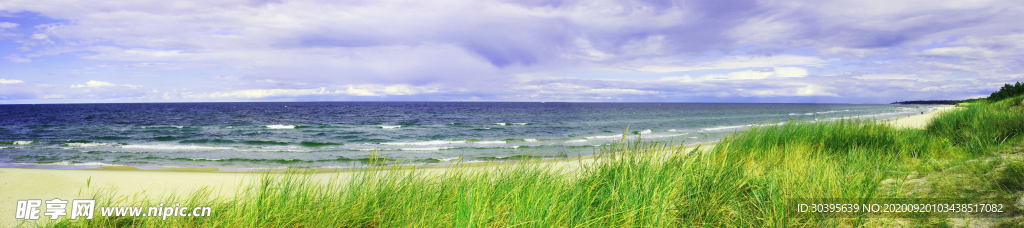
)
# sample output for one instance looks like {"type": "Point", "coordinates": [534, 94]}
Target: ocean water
{"type": "Point", "coordinates": [345, 134]}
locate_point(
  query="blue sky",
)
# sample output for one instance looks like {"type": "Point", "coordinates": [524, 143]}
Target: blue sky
{"type": "Point", "coordinates": [859, 51]}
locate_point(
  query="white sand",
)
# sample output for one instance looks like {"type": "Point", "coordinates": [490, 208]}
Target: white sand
{"type": "Point", "coordinates": [918, 121]}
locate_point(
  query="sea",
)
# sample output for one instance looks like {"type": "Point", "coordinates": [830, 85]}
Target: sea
{"type": "Point", "coordinates": [351, 134]}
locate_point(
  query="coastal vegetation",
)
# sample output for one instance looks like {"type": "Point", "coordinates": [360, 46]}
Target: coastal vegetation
{"type": "Point", "coordinates": [1008, 91]}
{"type": "Point", "coordinates": [749, 178]}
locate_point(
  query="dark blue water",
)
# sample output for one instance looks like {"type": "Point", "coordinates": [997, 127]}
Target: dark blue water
{"type": "Point", "coordinates": [340, 134]}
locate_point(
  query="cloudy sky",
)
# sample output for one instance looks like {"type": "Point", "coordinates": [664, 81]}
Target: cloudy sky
{"type": "Point", "coordinates": [856, 51]}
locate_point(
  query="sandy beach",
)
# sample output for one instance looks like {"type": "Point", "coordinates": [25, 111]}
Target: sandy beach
{"type": "Point", "coordinates": [919, 121]}
{"type": "Point", "coordinates": [66, 184]}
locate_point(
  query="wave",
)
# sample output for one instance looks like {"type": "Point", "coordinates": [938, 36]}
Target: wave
{"type": "Point", "coordinates": [390, 126]}
{"type": "Point", "coordinates": [217, 141]}
{"type": "Point", "coordinates": [426, 143]}
{"type": "Point", "coordinates": [449, 159]}
{"type": "Point", "coordinates": [576, 141]}
{"type": "Point", "coordinates": [834, 111]}
{"type": "Point", "coordinates": [646, 131]}
{"type": "Point", "coordinates": [665, 136]}
{"type": "Point", "coordinates": [319, 144]}
{"type": "Point", "coordinates": [111, 138]}
{"type": "Point", "coordinates": [520, 123]}
{"type": "Point", "coordinates": [74, 163]}
{"type": "Point", "coordinates": [167, 138]}
{"type": "Point", "coordinates": [530, 140]}
{"type": "Point", "coordinates": [281, 161]}
{"type": "Point", "coordinates": [173, 147]}
{"type": "Point", "coordinates": [489, 142]}
{"type": "Point", "coordinates": [813, 113]}
{"type": "Point", "coordinates": [257, 142]}
{"type": "Point", "coordinates": [671, 130]}
{"type": "Point", "coordinates": [279, 126]}
{"type": "Point", "coordinates": [175, 127]}
{"type": "Point", "coordinates": [22, 142]}
{"type": "Point", "coordinates": [89, 144]}
{"type": "Point", "coordinates": [502, 124]}
{"type": "Point", "coordinates": [726, 127]}
{"type": "Point", "coordinates": [425, 148]}
{"type": "Point", "coordinates": [604, 137]}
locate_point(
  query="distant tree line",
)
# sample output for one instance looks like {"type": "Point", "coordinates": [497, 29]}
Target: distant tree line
{"type": "Point", "coordinates": [1008, 90]}
{"type": "Point", "coordinates": [950, 102]}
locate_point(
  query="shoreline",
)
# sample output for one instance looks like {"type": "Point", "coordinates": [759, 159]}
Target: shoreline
{"type": "Point", "coordinates": [918, 121]}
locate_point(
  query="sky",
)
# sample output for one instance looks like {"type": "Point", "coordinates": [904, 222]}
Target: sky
{"type": "Point", "coordinates": [856, 51]}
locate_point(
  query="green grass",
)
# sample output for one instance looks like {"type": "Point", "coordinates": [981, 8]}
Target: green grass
{"type": "Point", "coordinates": [745, 180]}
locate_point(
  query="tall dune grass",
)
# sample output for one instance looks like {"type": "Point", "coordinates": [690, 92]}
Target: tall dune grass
{"type": "Point", "coordinates": [744, 180]}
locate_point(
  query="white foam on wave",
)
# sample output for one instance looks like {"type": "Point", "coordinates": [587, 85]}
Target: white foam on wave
{"type": "Point", "coordinates": [646, 131]}
{"type": "Point", "coordinates": [92, 144]}
{"type": "Point", "coordinates": [576, 141]}
{"type": "Point", "coordinates": [726, 127]}
{"type": "Point", "coordinates": [22, 142]}
{"type": "Point", "coordinates": [489, 142]}
{"type": "Point", "coordinates": [174, 147]}
{"type": "Point", "coordinates": [519, 123]}
{"type": "Point", "coordinates": [205, 159]}
{"type": "Point", "coordinates": [81, 163]}
{"type": "Point", "coordinates": [390, 126]}
{"type": "Point", "coordinates": [604, 137]}
{"type": "Point", "coordinates": [449, 159]}
{"type": "Point", "coordinates": [280, 126]}
{"type": "Point", "coordinates": [279, 150]}
{"type": "Point", "coordinates": [426, 143]}
{"type": "Point", "coordinates": [664, 136]}
{"type": "Point", "coordinates": [425, 148]}
{"type": "Point", "coordinates": [530, 140]}
{"type": "Point", "coordinates": [502, 124]}
{"type": "Point", "coordinates": [834, 111]}
{"type": "Point", "coordinates": [671, 130]}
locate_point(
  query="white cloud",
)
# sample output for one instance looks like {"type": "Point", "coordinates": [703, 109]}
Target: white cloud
{"type": "Point", "coordinates": [967, 52]}
{"type": "Point", "coordinates": [737, 62]}
{"type": "Point", "coordinates": [886, 77]}
{"type": "Point", "coordinates": [790, 72]}
{"type": "Point", "coordinates": [352, 90]}
{"type": "Point", "coordinates": [7, 25]}
{"type": "Point", "coordinates": [17, 59]}
{"type": "Point", "coordinates": [93, 83]}
{"type": "Point", "coordinates": [399, 90]}
{"type": "Point", "coordinates": [620, 91]}
{"type": "Point", "coordinates": [263, 93]}
{"type": "Point", "coordinates": [778, 72]}
{"type": "Point", "coordinates": [9, 81]}
{"type": "Point", "coordinates": [741, 75]}
{"type": "Point", "coordinates": [359, 92]}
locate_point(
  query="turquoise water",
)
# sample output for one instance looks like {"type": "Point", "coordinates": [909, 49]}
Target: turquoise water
{"type": "Point", "coordinates": [344, 134]}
